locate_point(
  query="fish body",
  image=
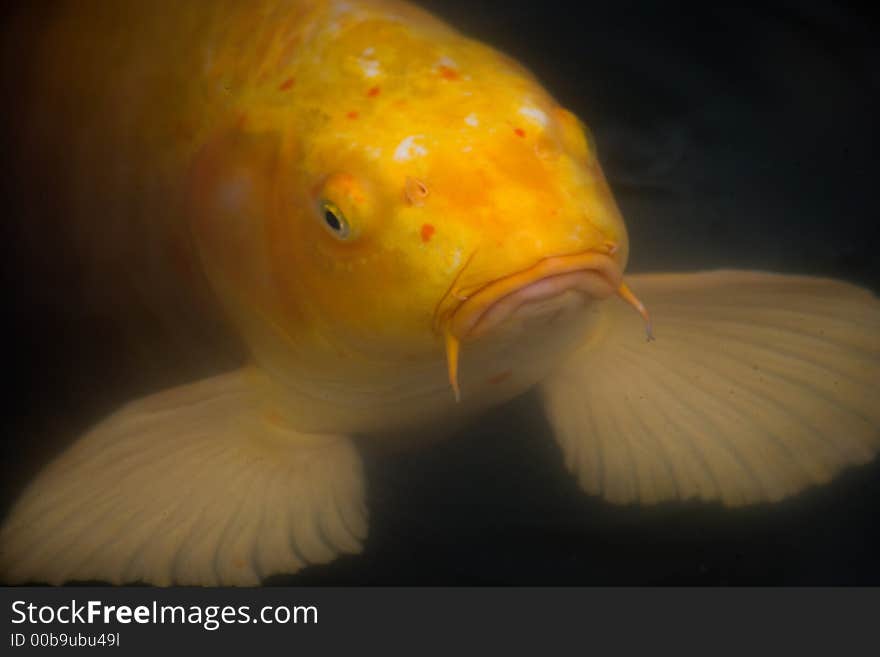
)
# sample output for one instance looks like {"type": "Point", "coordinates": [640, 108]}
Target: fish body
{"type": "Point", "coordinates": [403, 228]}
{"type": "Point", "coordinates": [251, 114]}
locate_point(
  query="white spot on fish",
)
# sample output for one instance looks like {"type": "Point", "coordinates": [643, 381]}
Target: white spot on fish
{"type": "Point", "coordinates": [467, 149]}
{"type": "Point", "coordinates": [577, 233]}
{"type": "Point", "coordinates": [447, 62]}
{"type": "Point", "coordinates": [370, 67]}
{"type": "Point", "coordinates": [456, 258]}
{"type": "Point", "coordinates": [535, 114]}
{"type": "Point", "coordinates": [408, 149]}
{"type": "Point", "coordinates": [471, 120]}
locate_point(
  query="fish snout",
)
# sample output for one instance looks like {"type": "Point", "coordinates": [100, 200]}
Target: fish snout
{"type": "Point", "coordinates": [522, 294]}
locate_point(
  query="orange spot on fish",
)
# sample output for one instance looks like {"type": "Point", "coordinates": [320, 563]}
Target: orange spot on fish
{"type": "Point", "coordinates": [287, 84]}
{"type": "Point", "coordinates": [274, 417]}
{"type": "Point", "coordinates": [427, 232]}
{"type": "Point", "coordinates": [519, 132]}
{"type": "Point", "coordinates": [448, 73]}
{"type": "Point", "coordinates": [373, 92]}
{"type": "Point", "coordinates": [499, 378]}
{"type": "Point", "coordinates": [352, 115]}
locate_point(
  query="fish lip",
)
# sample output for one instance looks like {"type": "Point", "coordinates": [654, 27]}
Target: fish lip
{"type": "Point", "coordinates": [593, 272]}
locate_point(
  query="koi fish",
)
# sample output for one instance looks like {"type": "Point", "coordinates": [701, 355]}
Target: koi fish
{"type": "Point", "coordinates": [405, 229]}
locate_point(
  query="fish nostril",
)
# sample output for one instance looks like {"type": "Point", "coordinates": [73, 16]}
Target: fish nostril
{"type": "Point", "coordinates": [415, 191]}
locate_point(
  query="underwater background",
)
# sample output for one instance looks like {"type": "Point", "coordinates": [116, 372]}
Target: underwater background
{"type": "Point", "coordinates": [732, 137]}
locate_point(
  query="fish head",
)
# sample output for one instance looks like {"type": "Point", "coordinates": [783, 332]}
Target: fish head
{"type": "Point", "coordinates": [419, 191]}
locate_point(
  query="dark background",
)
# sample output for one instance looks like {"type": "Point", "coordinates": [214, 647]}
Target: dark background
{"type": "Point", "coordinates": [732, 137]}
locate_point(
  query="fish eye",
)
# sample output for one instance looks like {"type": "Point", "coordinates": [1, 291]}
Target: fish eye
{"type": "Point", "coordinates": [335, 220]}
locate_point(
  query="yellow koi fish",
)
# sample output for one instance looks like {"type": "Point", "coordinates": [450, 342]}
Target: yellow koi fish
{"type": "Point", "coordinates": [405, 229]}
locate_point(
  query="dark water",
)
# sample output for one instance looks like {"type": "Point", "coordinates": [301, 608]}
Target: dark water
{"type": "Point", "coordinates": [732, 138]}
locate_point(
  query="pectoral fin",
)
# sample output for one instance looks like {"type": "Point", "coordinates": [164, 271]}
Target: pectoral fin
{"type": "Point", "coordinates": [757, 386]}
{"type": "Point", "coordinates": [190, 486]}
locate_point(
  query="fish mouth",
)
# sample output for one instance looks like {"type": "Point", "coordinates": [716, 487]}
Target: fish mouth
{"type": "Point", "coordinates": [594, 274]}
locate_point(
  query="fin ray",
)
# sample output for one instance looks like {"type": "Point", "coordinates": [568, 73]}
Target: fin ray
{"type": "Point", "coordinates": [757, 386]}
{"type": "Point", "coordinates": [189, 486]}
{"type": "Point", "coordinates": [791, 373]}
